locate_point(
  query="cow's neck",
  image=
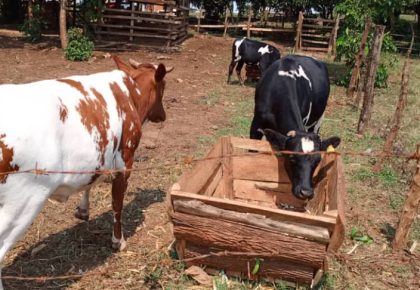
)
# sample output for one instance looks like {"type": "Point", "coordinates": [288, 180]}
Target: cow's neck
{"type": "Point", "coordinates": [140, 97]}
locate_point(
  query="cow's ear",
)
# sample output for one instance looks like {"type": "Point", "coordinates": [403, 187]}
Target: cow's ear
{"type": "Point", "coordinates": [160, 72]}
{"type": "Point", "coordinates": [276, 139]}
{"type": "Point", "coordinates": [333, 141]}
{"type": "Point", "coordinates": [121, 65]}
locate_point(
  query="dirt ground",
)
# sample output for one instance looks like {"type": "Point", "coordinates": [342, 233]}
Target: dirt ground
{"type": "Point", "coordinates": [57, 244]}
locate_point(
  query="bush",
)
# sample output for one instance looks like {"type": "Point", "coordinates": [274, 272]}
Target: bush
{"type": "Point", "coordinates": [348, 44]}
{"type": "Point", "coordinates": [80, 47]}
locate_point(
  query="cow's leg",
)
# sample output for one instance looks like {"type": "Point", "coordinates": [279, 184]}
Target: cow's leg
{"type": "Point", "coordinates": [119, 185]}
{"type": "Point", "coordinates": [238, 71]}
{"type": "Point", "coordinates": [82, 211]}
{"type": "Point", "coordinates": [231, 68]}
{"type": "Point", "coordinates": [17, 212]}
{"type": "Point", "coordinates": [255, 125]}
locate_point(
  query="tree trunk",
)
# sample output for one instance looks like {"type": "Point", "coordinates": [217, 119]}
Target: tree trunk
{"type": "Point", "coordinates": [395, 122]}
{"type": "Point", "coordinates": [355, 75]}
{"type": "Point", "coordinates": [30, 10]}
{"type": "Point", "coordinates": [409, 211]}
{"type": "Point", "coordinates": [374, 57]}
{"type": "Point", "coordinates": [63, 24]}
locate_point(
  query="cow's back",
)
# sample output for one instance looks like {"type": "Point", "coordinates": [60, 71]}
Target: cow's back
{"type": "Point", "coordinates": [71, 124]}
{"type": "Point", "coordinates": [291, 89]}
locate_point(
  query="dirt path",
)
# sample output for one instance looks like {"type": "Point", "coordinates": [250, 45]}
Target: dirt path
{"type": "Point", "coordinates": [58, 244]}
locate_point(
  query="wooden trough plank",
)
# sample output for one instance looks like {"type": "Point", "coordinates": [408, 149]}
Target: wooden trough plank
{"type": "Point", "coordinates": [197, 178]}
{"type": "Point", "coordinates": [259, 167]}
{"type": "Point", "coordinates": [232, 236]}
{"type": "Point", "coordinates": [338, 235]}
{"type": "Point", "coordinates": [279, 193]}
{"type": "Point", "coordinates": [275, 214]}
{"type": "Point", "coordinates": [269, 267]}
{"type": "Point", "coordinates": [198, 208]}
{"type": "Point", "coordinates": [250, 144]}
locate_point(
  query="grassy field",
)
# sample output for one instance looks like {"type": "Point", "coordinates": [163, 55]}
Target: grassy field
{"type": "Point", "coordinates": [374, 200]}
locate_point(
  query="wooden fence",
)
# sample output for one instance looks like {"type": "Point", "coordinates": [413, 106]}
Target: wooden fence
{"type": "Point", "coordinates": [316, 34]}
{"type": "Point", "coordinates": [119, 28]}
{"type": "Point", "coordinates": [249, 26]}
{"type": "Point", "coordinates": [402, 42]}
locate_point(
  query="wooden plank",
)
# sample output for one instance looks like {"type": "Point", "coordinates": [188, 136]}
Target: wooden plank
{"type": "Point", "coordinates": [250, 144]}
{"type": "Point", "coordinates": [239, 237]}
{"type": "Point", "coordinates": [198, 208]}
{"type": "Point", "coordinates": [218, 25]}
{"type": "Point", "coordinates": [262, 29]}
{"type": "Point", "coordinates": [197, 178]}
{"type": "Point", "coordinates": [227, 167]}
{"type": "Point", "coordinates": [135, 34]}
{"type": "Point", "coordinates": [322, 49]}
{"type": "Point", "coordinates": [147, 19]}
{"type": "Point", "coordinates": [317, 27]}
{"type": "Point", "coordinates": [279, 194]}
{"type": "Point", "coordinates": [242, 264]}
{"type": "Point", "coordinates": [259, 167]}
{"type": "Point", "coordinates": [315, 41]}
{"type": "Point", "coordinates": [327, 36]}
{"type": "Point", "coordinates": [275, 214]}
{"type": "Point", "coordinates": [120, 26]}
{"type": "Point", "coordinates": [338, 234]}
{"type": "Point", "coordinates": [211, 185]}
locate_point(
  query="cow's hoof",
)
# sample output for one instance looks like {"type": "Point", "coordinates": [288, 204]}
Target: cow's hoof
{"type": "Point", "coordinates": [118, 246]}
{"type": "Point", "coordinates": [82, 214]}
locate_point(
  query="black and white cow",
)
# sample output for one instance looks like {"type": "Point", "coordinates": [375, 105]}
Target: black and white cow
{"type": "Point", "coordinates": [290, 100]}
{"type": "Point", "coordinates": [251, 52]}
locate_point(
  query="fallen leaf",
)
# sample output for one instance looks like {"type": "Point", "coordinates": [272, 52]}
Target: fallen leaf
{"type": "Point", "coordinates": [199, 275]}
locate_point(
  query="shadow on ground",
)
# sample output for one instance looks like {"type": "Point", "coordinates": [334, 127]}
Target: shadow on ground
{"type": "Point", "coordinates": [81, 248]}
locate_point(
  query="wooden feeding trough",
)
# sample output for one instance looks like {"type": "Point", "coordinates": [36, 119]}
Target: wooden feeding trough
{"type": "Point", "coordinates": [234, 211]}
{"type": "Point", "coordinates": [253, 72]}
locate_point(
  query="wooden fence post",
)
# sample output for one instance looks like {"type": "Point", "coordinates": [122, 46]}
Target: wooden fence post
{"type": "Point", "coordinates": [298, 38]}
{"type": "Point", "coordinates": [248, 24]}
{"type": "Point", "coordinates": [63, 24]}
{"type": "Point", "coordinates": [374, 56]}
{"type": "Point", "coordinates": [395, 121]}
{"type": "Point", "coordinates": [355, 75]}
{"type": "Point", "coordinates": [409, 211]}
{"type": "Point", "coordinates": [333, 38]}
{"type": "Point", "coordinates": [199, 20]}
{"type": "Point", "coordinates": [226, 22]}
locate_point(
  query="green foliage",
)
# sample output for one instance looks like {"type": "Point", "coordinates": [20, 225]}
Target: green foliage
{"type": "Point", "coordinates": [357, 235]}
{"type": "Point", "coordinates": [90, 11]}
{"type": "Point", "coordinates": [348, 44]}
{"type": "Point", "coordinates": [221, 282]}
{"type": "Point", "coordinates": [327, 282]}
{"type": "Point", "coordinates": [32, 28]}
{"type": "Point", "coordinates": [80, 47]}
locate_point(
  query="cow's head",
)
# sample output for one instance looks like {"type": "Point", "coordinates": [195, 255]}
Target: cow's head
{"type": "Point", "coordinates": [148, 89]}
{"type": "Point", "coordinates": [301, 166]}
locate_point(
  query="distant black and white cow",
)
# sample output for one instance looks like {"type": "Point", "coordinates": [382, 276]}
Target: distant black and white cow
{"type": "Point", "coordinates": [251, 52]}
{"type": "Point", "coordinates": [290, 100]}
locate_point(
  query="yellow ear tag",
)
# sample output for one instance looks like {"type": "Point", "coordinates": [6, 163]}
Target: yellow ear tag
{"type": "Point", "coordinates": [330, 148]}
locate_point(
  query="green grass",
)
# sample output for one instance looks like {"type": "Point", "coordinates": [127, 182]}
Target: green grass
{"type": "Point", "coordinates": [373, 195]}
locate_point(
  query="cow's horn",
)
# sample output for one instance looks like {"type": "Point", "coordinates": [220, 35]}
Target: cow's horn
{"type": "Point", "coordinates": [169, 69]}
{"type": "Point", "coordinates": [291, 134]}
{"type": "Point", "coordinates": [134, 63]}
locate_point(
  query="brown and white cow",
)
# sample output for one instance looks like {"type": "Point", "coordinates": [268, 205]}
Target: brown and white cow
{"type": "Point", "coordinates": [80, 123]}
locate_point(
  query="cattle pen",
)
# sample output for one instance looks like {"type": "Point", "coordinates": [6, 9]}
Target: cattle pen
{"type": "Point", "coordinates": [144, 23]}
